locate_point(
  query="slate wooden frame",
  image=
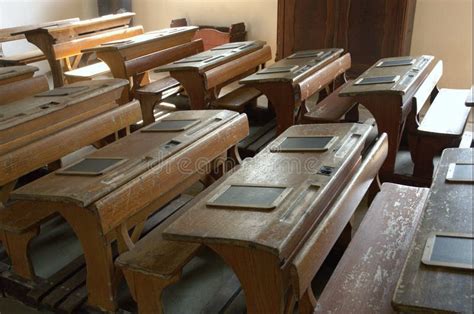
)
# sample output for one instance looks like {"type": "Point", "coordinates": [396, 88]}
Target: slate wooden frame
{"type": "Point", "coordinates": [149, 128]}
{"type": "Point", "coordinates": [450, 174]}
{"type": "Point", "coordinates": [395, 63]}
{"type": "Point", "coordinates": [374, 80]}
{"type": "Point", "coordinates": [277, 148]}
{"type": "Point", "coordinates": [212, 202]}
{"type": "Point", "coordinates": [65, 172]}
{"type": "Point", "coordinates": [430, 244]}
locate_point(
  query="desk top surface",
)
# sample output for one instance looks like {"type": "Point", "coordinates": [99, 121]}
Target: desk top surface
{"type": "Point", "coordinates": [141, 150]}
{"type": "Point", "coordinates": [280, 229]}
{"type": "Point", "coordinates": [214, 57]}
{"type": "Point", "coordinates": [21, 117]}
{"type": "Point", "coordinates": [405, 77]}
{"type": "Point", "coordinates": [6, 73]}
{"type": "Point", "coordinates": [148, 37]}
{"type": "Point", "coordinates": [449, 209]}
{"type": "Point", "coordinates": [295, 67]}
{"type": "Point", "coordinates": [7, 34]}
{"type": "Point", "coordinates": [470, 98]}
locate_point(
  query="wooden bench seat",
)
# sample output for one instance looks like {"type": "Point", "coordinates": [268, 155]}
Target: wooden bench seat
{"type": "Point", "coordinates": [237, 99]}
{"type": "Point", "coordinates": [87, 72]}
{"type": "Point", "coordinates": [365, 278]}
{"type": "Point", "coordinates": [22, 58]}
{"type": "Point", "coordinates": [442, 127]}
{"type": "Point", "coordinates": [155, 263]}
{"type": "Point", "coordinates": [332, 109]}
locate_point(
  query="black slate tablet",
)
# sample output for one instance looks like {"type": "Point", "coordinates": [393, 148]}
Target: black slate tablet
{"type": "Point", "coordinates": [449, 250]}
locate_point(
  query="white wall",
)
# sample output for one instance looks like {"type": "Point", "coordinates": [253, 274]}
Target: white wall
{"type": "Point", "coordinates": [24, 12]}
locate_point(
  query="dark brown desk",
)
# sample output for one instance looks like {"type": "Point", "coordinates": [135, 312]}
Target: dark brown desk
{"type": "Point", "coordinates": [203, 75]}
{"type": "Point", "coordinates": [449, 209]}
{"type": "Point", "coordinates": [288, 83]}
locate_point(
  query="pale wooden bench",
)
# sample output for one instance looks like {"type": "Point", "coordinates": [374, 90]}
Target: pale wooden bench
{"type": "Point", "coordinates": [87, 72]}
{"type": "Point", "coordinates": [365, 278]}
{"type": "Point", "coordinates": [442, 127]}
{"type": "Point", "coordinates": [21, 89]}
{"type": "Point", "coordinates": [22, 58]}
{"type": "Point", "coordinates": [238, 99]}
{"type": "Point", "coordinates": [333, 108]}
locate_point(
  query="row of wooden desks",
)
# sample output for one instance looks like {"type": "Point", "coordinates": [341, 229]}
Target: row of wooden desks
{"type": "Point", "coordinates": [438, 273]}
{"type": "Point", "coordinates": [289, 82]}
{"type": "Point", "coordinates": [116, 188]}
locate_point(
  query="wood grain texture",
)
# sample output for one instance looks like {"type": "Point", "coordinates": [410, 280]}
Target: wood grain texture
{"type": "Point", "coordinates": [449, 209]}
{"type": "Point", "coordinates": [32, 118]}
{"type": "Point", "coordinates": [22, 58]}
{"type": "Point", "coordinates": [21, 89]}
{"type": "Point", "coordinates": [6, 34]}
{"type": "Point", "coordinates": [237, 99]}
{"type": "Point", "coordinates": [364, 280]}
{"type": "Point", "coordinates": [16, 73]}
{"type": "Point", "coordinates": [49, 148]}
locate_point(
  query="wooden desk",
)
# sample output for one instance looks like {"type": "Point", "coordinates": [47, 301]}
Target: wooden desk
{"type": "Point", "coordinates": [391, 103]}
{"type": "Point", "coordinates": [470, 98]}
{"type": "Point", "coordinates": [64, 41]}
{"type": "Point", "coordinates": [121, 56]}
{"type": "Point", "coordinates": [260, 244]}
{"type": "Point", "coordinates": [430, 288]}
{"type": "Point", "coordinates": [158, 166]}
{"type": "Point", "coordinates": [16, 73]}
{"type": "Point", "coordinates": [204, 74]}
{"type": "Point", "coordinates": [291, 87]}
{"type": "Point", "coordinates": [27, 121]}
{"type": "Point", "coordinates": [14, 33]}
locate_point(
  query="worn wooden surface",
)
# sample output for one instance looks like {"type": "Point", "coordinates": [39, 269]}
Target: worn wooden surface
{"type": "Point", "coordinates": [6, 34]}
{"type": "Point", "coordinates": [237, 99]}
{"type": "Point", "coordinates": [391, 104]}
{"type": "Point", "coordinates": [365, 278]}
{"type": "Point", "coordinates": [16, 73]}
{"type": "Point", "coordinates": [159, 167]}
{"type": "Point", "coordinates": [22, 58]}
{"type": "Point", "coordinates": [21, 89]}
{"type": "Point", "coordinates": [408, 77]}
{"type": "Point", "coordinates": [301, 67]}
{"type": "Point", "coordinates": [34, 117]}
{"type": "Point", "coordinates": [449, 209]}
{"type": "Point", "coordinates": [257, 244]}
{"type": "Point", "coordinates": [285, 95]}
{"type": "Point", "coordinates": [313, 253]}
{"type": "Point", "coordinates": [384, 31]}
{"type": "Point", "coordinates": [448, 103]}
{"type": "Point", "coordinates": [214, 57]}
{"type": "Point", "coordinates": [58, 43]}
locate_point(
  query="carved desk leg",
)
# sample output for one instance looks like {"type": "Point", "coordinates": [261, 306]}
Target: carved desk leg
{"type": "Point", "coordinates": [193, 84]}
{"type": "Point", "coordinates": [17, 247]}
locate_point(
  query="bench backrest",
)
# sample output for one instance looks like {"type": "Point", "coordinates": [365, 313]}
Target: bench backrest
{"type": "Point", "coordinates": [145, 63]}
{"type": "Point", "coordinates": [302, 267]}
{"type": "Point", "coordinates": [429, 85]}
{"type": "Point", "coordinates": [318, 80]}
{"type": "Point", "coordinates": [21, 89]}
{"type": "Point", "coordinates": [231, 71]}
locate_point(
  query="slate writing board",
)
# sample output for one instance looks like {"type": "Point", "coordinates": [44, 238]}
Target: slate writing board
{"type": "Point", "coordinates": [306, 54]}
{"type": "Point", "coordinates": [228, 46]}
{"type": "Point", "coordinates": [193, 59]}
{"type": "Point", "coordinates": [171, 125]}
{"type": "Point", "coordinates": [63, 91]}
{"type": "Point", "coordinates": [304, 143]}
{"type": "Point", "coordinates": [249, 196]}
{"type": "Point", "coordinates": [449, 250]}
{"type": "Point", "coordinates": [395, 63]}
{"type": "Point", "coordinates": [91, 166]}
{"type": "Point", "coordinates": [377, 80]}
{"type": "Point", "coordinates": [460, 172]}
